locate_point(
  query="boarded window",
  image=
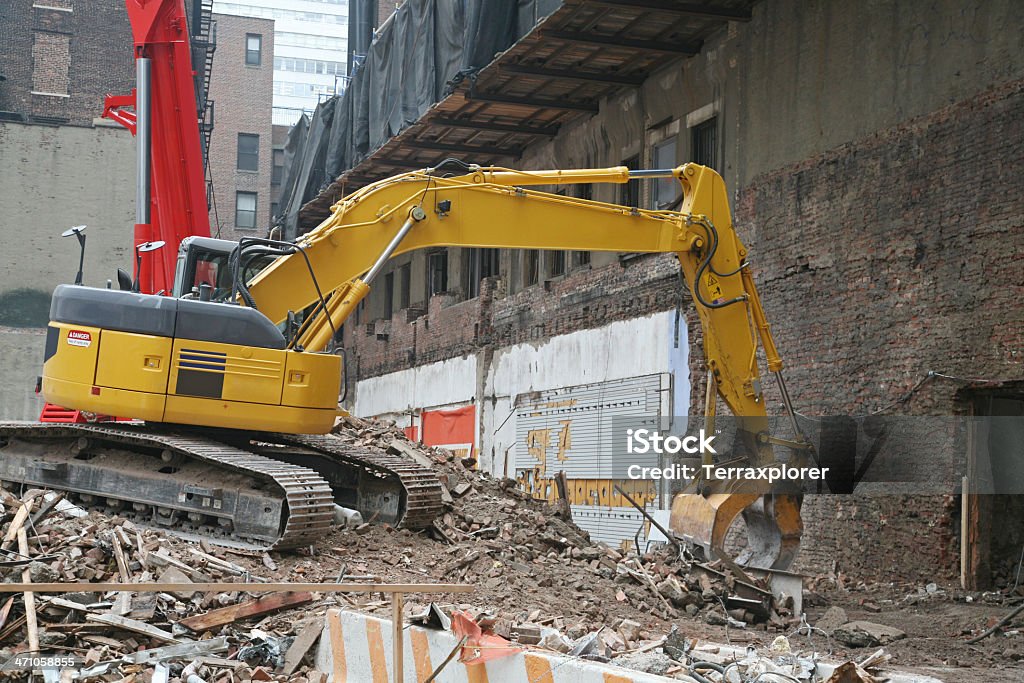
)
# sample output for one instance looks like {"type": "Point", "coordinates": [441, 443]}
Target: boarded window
{"type": "Point", "coordinates": [248, 152]}
{"type": "Point", "coordinates": [437, 272]}
{"type": "Point", "coordinates": [405, 293]}
{"type": "Point", "coordinates": [480, 263]}
{"type": "Point", "coordinates": [245, 209]}
{"type": "Point", "coordinates": [556, 263]}
{"type": "Point", "coordinates": [531, 267]}
{"type": "Point", "coordinates": [51, 59]}
{"type": "Point", "coordinates": [389, 294]}
{"type": "Point", "coordinates": [253, 49]}
{"type": "Point", "coordinates": [705, 143]}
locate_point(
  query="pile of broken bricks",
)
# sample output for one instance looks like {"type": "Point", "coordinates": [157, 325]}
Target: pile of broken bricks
{"type": "Point", "coordinates": [153, 637]}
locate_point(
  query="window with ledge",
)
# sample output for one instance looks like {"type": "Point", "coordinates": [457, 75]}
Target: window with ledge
{"type": "Point", "coordinates": [437, 272]}
{"type": "Point", "coordinates": [479, 263]}
{"type": "Point", "coordinates": [556, 263]}
{"type": "Point", "coordinates": [704, 143]}
{"type": "Point", "coordinates": [277, 170]}
{"type": "Point", "coordinates": [245, 210]}
{"type": "Point", "coordinates": [253, 49]}
{"type": "Point", "coordinates": [531, 267]}
{"type": "Point", "coordinates": [666, 191]}
{"type": "Point", "coordinates": [405, 292]}
{"type": "Point", "coordinates": [389, 294]}
{"type": "Point", "coordinates": [248, 152]}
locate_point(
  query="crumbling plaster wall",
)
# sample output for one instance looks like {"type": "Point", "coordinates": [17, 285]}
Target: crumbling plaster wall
{"type": "Point", "coordinates": [873, 151]}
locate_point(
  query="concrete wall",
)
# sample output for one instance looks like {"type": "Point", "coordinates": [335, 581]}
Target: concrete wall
{"type": "Point", "coordinates": [52, 178]}
{"type": "Point", "coordinates": [21, 361]}
{"type": "Point", "coordinates": [492, 380]}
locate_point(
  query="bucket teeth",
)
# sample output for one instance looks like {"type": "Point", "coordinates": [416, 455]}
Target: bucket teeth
{"type": "Point", "coordinates": [772, 521]}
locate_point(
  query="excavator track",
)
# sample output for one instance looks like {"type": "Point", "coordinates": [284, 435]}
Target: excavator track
{"type": "Point", "coordinates": [228, 486]}
{"type": "Point", "coordinates": [420, 489]}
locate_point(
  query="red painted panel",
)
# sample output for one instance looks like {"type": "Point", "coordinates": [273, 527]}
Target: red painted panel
{"type": "Point", "coordinates": [450, 427]}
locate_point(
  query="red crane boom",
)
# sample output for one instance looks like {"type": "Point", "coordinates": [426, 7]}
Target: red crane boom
{"type": "Point", "coordinates": [172, 195]}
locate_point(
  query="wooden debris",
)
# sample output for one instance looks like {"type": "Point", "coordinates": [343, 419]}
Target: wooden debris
{"type": "Point", "coordinates": [253, 608]}
{"type": "Point", "coordinates": [29, 597]}
{"type": "Point", "coordinates": [133, 626]}
{"type": "Point", "coordinates": [17, 523]}
{"type": "Point", "coordinates": [305, 641]}
{"type": "Point", "coordinates": [181, 651]}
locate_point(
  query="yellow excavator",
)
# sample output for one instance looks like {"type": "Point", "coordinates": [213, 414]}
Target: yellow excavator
{"type": "Point", "coordinates": [234, 381]}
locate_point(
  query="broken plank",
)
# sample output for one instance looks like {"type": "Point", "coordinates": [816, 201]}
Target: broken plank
{"type": "Point", "coordinates": [252, 608]}
{"type": "Point", "coordinates": [132, 625]}
{"type": "Point", "coordinates": [29, 597]}
{"type": "Point", "coordinates": [300, 647]}
{"type": "Point", "coordinates": [17, 523]}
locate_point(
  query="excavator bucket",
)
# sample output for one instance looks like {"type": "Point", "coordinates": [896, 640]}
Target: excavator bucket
{"type": "Point", "coordinates": [772, 522]}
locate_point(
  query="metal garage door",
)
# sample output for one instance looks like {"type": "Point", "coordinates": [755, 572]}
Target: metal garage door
{"type": "Point", "coordinates": [570, 430]}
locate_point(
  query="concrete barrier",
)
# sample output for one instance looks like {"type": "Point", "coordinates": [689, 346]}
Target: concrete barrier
{"type": "Point", "coordinates": [356, 648]}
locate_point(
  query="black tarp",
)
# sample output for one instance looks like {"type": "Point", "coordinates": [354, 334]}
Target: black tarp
{"type": "Point", "coordinates": [409, 66]}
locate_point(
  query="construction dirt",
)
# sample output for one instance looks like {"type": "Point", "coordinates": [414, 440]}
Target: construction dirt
{"type": "Point", "coordinates": [536, 576]}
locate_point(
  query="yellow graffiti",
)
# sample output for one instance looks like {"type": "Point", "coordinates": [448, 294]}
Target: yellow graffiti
{"type": "Point", "coordinates": [538, 441]}
{"type": "Point", "coordinates": [564, 440]}
{"type": "Point", "coordinates": [537, 446]}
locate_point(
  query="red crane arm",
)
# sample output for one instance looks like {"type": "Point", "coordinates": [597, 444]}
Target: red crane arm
{"type": "Point", "coordinates": [177, 202]}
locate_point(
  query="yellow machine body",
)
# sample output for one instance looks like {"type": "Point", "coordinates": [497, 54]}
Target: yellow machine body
{"type": "Point", "coordinates": [184, 381]}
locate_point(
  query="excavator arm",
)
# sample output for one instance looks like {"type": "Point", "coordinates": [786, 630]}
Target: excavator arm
{"type": "Point", "coordinates": [204, 363]}
{"type": "Point", "coordinates": [490, 207]}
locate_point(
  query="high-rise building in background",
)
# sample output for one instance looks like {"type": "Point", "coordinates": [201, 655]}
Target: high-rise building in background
{"type": "Point", "coordinates": [310, 50]}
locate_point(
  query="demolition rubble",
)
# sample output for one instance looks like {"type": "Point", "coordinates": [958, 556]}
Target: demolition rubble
{"type": "Point", "coordinates": [539, 582]}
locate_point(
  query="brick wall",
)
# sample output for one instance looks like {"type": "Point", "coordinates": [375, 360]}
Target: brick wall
{"type": "Point", "coordinates": [242, 96]}
{"type": "Point", "coordinates": [76, 57]}
{"type": "Point", "coordinates": [877, 261]}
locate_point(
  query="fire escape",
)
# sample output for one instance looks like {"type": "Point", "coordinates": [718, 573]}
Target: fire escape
{"type": "Point", "coordinates": [204, 43]}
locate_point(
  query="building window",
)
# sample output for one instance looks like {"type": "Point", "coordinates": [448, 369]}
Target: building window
{"type": "Point", "coordinates": [704, 143]}
{"type": "Point", "coordinates": [274, 208]}
{"type": "Point", "coordinates": [629, 194]}
{"type": "Point", "coordinates": [582, 191]}
{"type": "Point", "coordinates": [437, 272]}
{"type": "Point", "coordinates": [389, 294]}
{"type": "Point", "coordinates": [248, 152]}
{"type": "Point", "coordinates": [51, 59]}
{"type": "Point", "coordinates": [405, 293]}
{"type": "Point", "coordinates": [666, 190]}
{"type": "Point", "coordinates": [245, 209]}
{"type": "Point", "coordinates": [253, 49]}
{"type": "Point", "coordinates": [480, 263]}
{"type": "Point", "coordinates": [531, 267]}
{"type": "Point", "coordinates": [277, 172]}
{"type": "Point", "coordinates": [556, 263]}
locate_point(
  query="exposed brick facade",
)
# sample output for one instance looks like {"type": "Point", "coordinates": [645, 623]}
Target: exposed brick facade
{"type": "Point", "coordinates": [877, 261]}
{"type": "Point", "coordinates": [242, 97]}
{"type": "Point", "coordinates": [73, 57]}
